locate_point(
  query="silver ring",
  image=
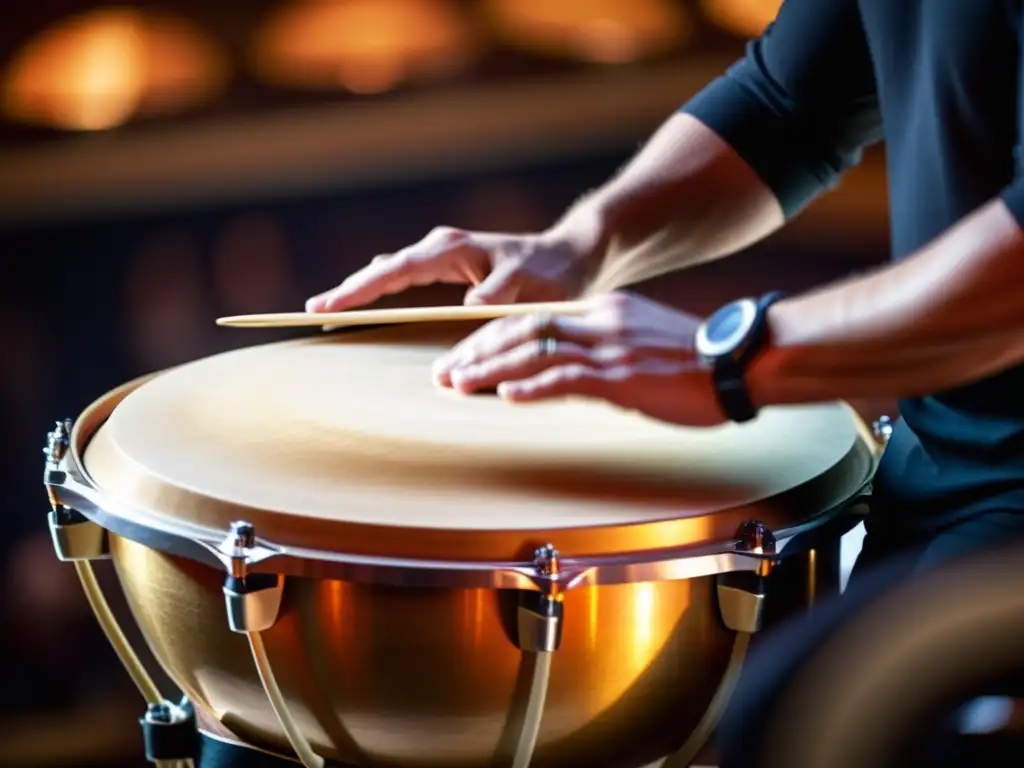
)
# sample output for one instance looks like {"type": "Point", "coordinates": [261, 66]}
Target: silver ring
{"type": "Point", "coordinates": [548, 346]}
{"type": "Point", "coordinates": [542, 326]}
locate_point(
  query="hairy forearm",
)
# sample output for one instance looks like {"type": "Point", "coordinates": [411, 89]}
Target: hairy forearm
{"type": "Point", "coordinates": [686, 198]}
{"type": "Point", "coordinates": [948, 315]}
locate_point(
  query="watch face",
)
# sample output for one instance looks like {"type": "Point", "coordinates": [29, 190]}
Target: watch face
{"type": "Point", "coordinates": [723, 325]}
{"type": "Point", "coordinates": [726, 329]}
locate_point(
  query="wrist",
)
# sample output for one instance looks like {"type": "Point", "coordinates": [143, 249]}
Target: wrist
{"type": "Point", "coordinates": [732, 339]}
{"type": "Point", "coordinates": [584, 231]}
{"type": "Point", "coordinates": [760, 379]}
{"type": "Point", "coordinates": [764, 377]}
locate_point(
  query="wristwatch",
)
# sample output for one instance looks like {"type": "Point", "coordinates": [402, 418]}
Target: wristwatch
{"type": "Point", "coordinates": [727, 342]}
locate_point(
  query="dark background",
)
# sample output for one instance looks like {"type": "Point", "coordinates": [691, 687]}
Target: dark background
{"type": "Point", "coordinates": [121, 246]}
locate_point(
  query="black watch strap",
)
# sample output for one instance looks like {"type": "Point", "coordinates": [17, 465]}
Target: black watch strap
{"type": "Point", "coordinates": [733, 397]}
{"type": "Point", "coordinates": [729, 371]}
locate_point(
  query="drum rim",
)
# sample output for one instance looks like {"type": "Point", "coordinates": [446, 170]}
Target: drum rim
{"type": "Point", "coordinates": [683, 559]}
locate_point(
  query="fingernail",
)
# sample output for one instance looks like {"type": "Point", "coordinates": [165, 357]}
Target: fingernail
{"type": "Point", "coordinates": [464, 380]}
{"type": "Point", "coordinates": [460, 374]}
{"type": "Point", "coordinates": [315, 303]}
{"type": "Point", "coordinates": [441, 372]}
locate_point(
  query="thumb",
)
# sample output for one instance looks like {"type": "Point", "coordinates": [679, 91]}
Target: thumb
{"type": "Point", "coordinates": [501, 286]}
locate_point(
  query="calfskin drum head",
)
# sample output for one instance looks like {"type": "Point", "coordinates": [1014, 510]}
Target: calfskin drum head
{"type": "Point", "coordinates": [343, 442]}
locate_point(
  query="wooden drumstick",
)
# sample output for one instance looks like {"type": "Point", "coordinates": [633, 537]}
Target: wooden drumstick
{"type": "Point", "coordinates": [400, 315]}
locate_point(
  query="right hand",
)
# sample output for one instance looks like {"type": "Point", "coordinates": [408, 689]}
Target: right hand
{"type": "Point", "coordinates": [500, 268]}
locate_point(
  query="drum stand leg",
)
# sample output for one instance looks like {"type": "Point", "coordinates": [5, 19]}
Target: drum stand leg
{"type": "Point", "coordinates": [685, 755]}
{"type": "Point", "coordinates": [253, 602]}
{"type": "Point", "coordinates": [169, 730]}
{"type": "Point", "coordinates": [534, 710]}
{"type": "Point", "coordinates": [539, 629]}
{"type": "Point", "coordinates": [540, 633]}
{"type": "Point", "coordinates": [741, 598]}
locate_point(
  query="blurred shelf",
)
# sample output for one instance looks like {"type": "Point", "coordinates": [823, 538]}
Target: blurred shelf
{"type": "Point", "coordinates": [329, 149]}
{"type": "Point", "coordinates": [234, 28]}
{"type": "Point", "coordinates": [334, 148]}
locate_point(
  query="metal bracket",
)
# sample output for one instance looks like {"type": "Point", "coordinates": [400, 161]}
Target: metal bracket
{"type": "Point", "coordinates": [741, 594]}
{"type": "Point", "coordinates": [757, 540]}
{"type": "Point", "coordinates": [253, 604]}
{"type": "Point", "coordinates": [74, 536]}
{"type": "Point", "coordinates": [882, 429]}
{"type": "Point", "coordinates": [540, 614]}
{"type": "Point", "coordinates": [539, 622]}
{"type": "Point", "coordinates": [252, 600]}
{"type": "Point", "coordinates": [169, 732]}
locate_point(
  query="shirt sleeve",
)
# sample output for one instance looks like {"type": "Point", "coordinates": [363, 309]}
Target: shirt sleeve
{"type": "Point", "coordinates": [802, 104]}
{"type": "Point", "coordinates": [1013, 194]}
{"type": "Point", "coordinates": [1013, 198]}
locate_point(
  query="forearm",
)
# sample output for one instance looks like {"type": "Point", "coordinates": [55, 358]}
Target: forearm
{"type": "Point", "coordinates": [687, 197]}
{"type": "Point", "coordinates": [951, 314]}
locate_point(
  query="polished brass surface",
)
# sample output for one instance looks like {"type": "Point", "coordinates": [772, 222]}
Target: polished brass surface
{"type": "Point", "coordinates": [812, 576]}
{"type": "Point", "coordinates": [397, 677]}
{"type": "Point", "coordinates": [701, 735]}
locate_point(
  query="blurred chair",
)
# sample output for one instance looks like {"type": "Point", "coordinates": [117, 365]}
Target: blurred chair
{"type": "Point", "coordinates": [889, 686]}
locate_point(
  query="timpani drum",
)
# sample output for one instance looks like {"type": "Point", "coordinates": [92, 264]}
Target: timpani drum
{"type": "Point", "coordinates": [336, 559]}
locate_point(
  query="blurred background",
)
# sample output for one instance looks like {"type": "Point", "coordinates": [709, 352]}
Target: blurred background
{"type": "Point", "coordinates": [164, 163]}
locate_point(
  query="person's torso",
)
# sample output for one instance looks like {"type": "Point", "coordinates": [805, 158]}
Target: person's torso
{"type": "Point", "coordinates": [948, 80]}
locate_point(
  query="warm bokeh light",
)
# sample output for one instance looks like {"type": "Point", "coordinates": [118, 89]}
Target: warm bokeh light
{"type": "Point", "coordinates": [747, 18]}
{"type": "Point", "coordinates": [363, 46]}
{"type": "Point", "coordinates": [100, 69]}
{"type": "Point", "coordinates": [604, 31]}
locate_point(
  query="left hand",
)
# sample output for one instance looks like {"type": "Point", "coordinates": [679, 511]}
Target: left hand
{"type": "Point", "coordinates": [626, 350]}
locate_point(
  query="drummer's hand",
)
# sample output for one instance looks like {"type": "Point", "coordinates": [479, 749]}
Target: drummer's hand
{"type": "Point", "coordinates": [501, 268]}
{"type": "Point", "coordinates": [625, 349]}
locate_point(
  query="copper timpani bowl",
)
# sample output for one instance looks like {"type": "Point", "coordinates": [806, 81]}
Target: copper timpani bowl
{"type": "Point", "coordinates": [392, 576]}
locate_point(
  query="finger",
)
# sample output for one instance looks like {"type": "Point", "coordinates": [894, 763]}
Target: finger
{"type": "Point", "coordinates": [522, 362]}
{"type": "Point", "coordinates": [509, 332]}
{"type": "Point", "coordinates": [572, 380]}
{"type": "Point", "coordinates": [523, 287]}
{"type": "Point", "coordinates": [488, 340]}
{"type": "Point", "coordinates": [532, 357]}
{"type": "Point", "coordinates": [502, 286]}
{"type": "Point", "coordinates": [383, 276]}
{"type": "Point", "coordinates": [449, 257]}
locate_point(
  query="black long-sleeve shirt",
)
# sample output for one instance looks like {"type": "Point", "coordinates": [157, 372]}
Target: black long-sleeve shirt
{"type": "Point", "coordinates": [940, 82]}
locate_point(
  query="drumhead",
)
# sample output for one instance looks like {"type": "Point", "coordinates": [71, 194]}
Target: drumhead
{"type": "Point", "coordinates": [342, 442]}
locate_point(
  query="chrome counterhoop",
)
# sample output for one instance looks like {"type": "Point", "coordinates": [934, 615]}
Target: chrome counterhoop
{"type": "Point", "coordinates": [70, 488]}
